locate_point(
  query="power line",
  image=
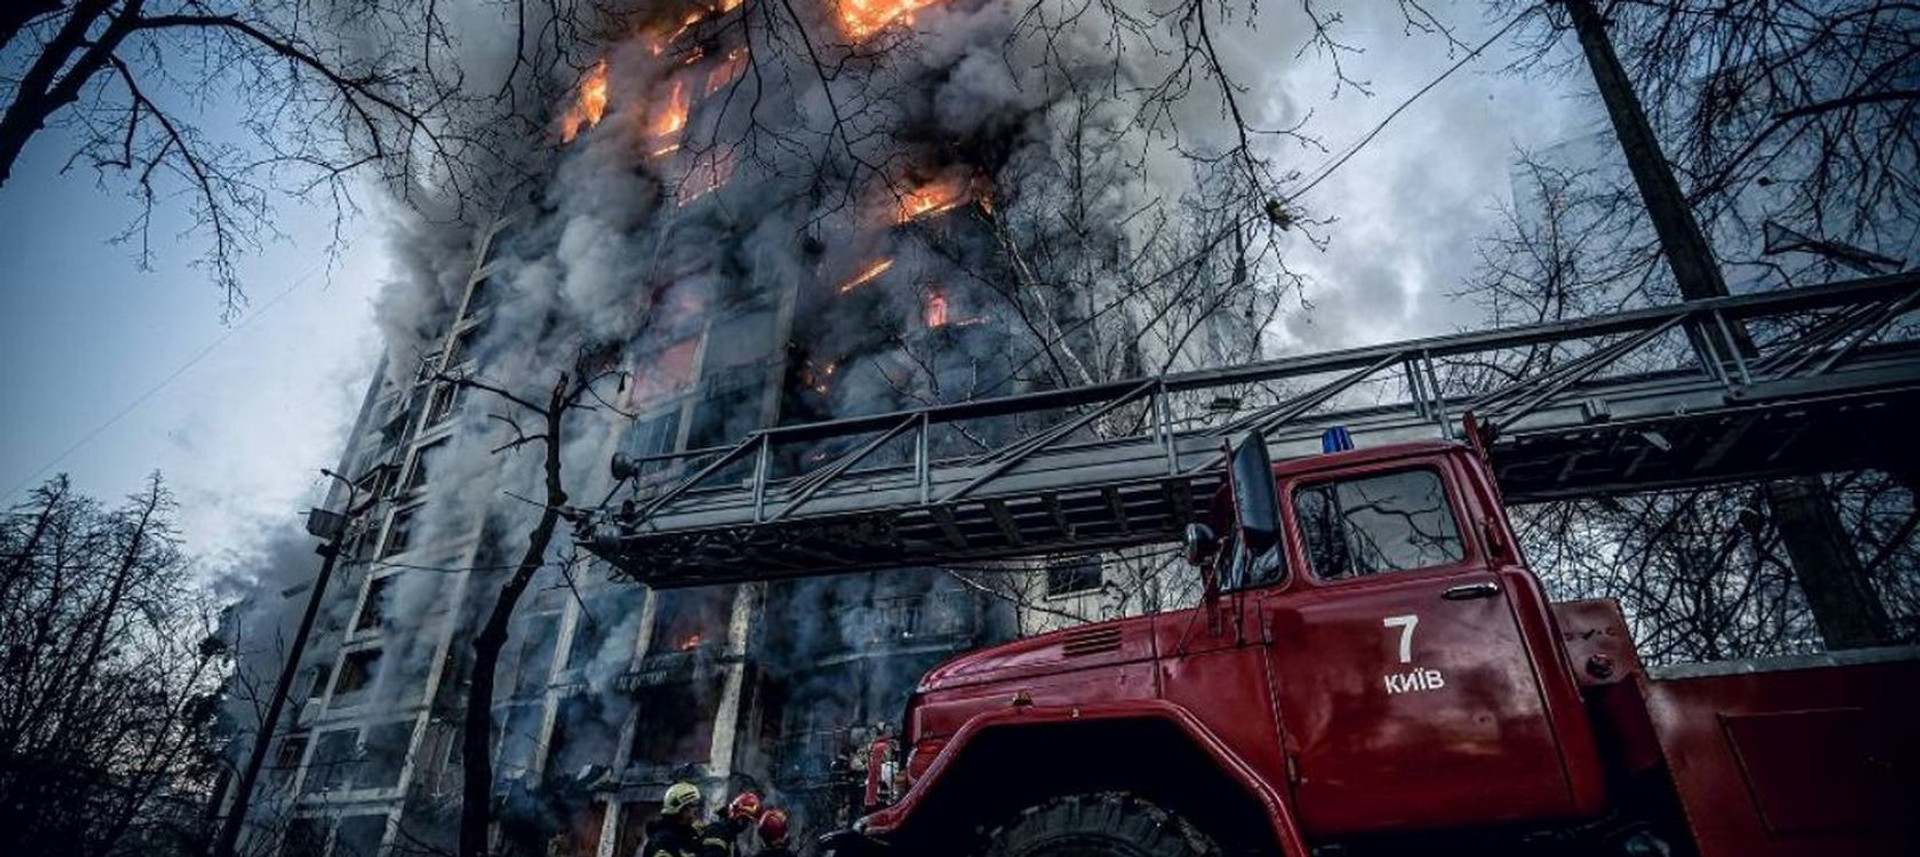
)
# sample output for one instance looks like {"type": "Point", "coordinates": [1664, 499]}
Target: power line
{"type": "Point", "coordinates": [1354, 149]}
{"type": "Point", "coordinates": [141, 399]}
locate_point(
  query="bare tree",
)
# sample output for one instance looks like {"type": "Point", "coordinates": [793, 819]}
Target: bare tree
{"type": "Point", "coordinates": [1797, 114]}
{"type": "Point", "coordinates": [571, 392]}
{"type": "Point", "coordinates": [328, 94]}
{"type": "Point", "coordinates": [108, 692]}
{"type": "Point", "coordinates": [1703, 574]}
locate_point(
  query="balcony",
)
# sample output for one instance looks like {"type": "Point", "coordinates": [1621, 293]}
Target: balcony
{"type": "Point", "coordinates": [702, 661]}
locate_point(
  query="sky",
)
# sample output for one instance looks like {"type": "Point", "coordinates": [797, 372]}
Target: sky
{"type": "Point", "coordinates": [112, 372]}
{"type": "Point", "coordinates": [240, 433]}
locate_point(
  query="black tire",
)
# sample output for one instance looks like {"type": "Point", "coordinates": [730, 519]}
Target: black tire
{"type": "Point", "coordinates": [1098, 825]}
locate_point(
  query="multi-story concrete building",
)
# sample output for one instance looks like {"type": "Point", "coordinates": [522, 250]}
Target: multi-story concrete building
{"type": "Point", "coordinates": [607, 692]}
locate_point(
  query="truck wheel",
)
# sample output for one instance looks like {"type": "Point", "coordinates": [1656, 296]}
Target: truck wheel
{"type": "Point", "coordinates": [1098, 825]}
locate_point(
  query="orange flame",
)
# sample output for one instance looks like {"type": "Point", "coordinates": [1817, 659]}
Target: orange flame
{"type": "Point", "coordinates": [819, 377]}
{"type": "Point", "coordinates": [933, 198]}
{"type": "Point", "coordinates": [690, 642]}
{"type": "Point", "coordinates": [673, 117]}
{"type": "Point", "coordinates": [589, 104]}
{"type": "Point", "coordinates": [867, 274]}
{"type": "Point", "coordinates": [863, 18]}
{"type": "Point", "coordinates": [936, 308]}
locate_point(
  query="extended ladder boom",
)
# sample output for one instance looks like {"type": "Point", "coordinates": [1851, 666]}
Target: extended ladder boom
{"type": "Point", "coordinates": [1630, 401]}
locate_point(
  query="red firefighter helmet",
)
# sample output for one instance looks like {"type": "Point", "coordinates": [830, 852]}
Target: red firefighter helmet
{"type": "Point", "coordinates": [744, 805]}
{"type": "Point", "coordinates": [773, 827]}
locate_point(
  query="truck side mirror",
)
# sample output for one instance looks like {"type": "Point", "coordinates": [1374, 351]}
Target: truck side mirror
{"type": "Point", "coordinates": [1256, 510]}
{"type": "Point", "coordinates": [1201, 544]}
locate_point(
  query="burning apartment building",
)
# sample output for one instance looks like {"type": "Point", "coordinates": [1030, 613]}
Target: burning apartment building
{"type": "Point", "coordinates": [984, 213]}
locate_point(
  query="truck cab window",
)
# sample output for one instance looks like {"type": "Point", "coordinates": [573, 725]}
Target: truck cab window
{"type": "Point", "coordinates": [1391, 522]}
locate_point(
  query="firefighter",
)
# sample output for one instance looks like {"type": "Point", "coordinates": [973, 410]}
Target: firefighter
{"type": "Point", "coordinates": [676, 833]}
{"type": "Point", "coordinates": [721, 835]}
{"type": "Point", "coordinates": [773, 834]}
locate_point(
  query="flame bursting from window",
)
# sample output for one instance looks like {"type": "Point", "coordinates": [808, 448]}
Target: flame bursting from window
{"type": "Point", "coordinates": [690, 642]}
{"type": "Point", "coordinates": [863, 18]}
{"type": "Point", "coordinates": [589, 103]}
{"type": "Point", "coordinates": [933, 198]}
{"type": "Point", "coordinates": [672, 118]}
{"type": "Point", "coordinates": [937, 312]}
{"type": "Point", "coordinates": [867, 275]}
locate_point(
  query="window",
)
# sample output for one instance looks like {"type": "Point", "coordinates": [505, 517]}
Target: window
{"type": "Point", "coordinates": [533, 669]}
{"type": "Point", "coordinates": [589, 635]}
{"type": "Point", "coordinates": [374, 606]}
{"type": "Point", "coordinates": [1392, 522]}
{"type": "Point", "coordinates": [356, 672]}
{"type": "Point", "coordinates": [662, 374]}
{"type": "Point", "coordinates": [359, 836]}
{"type": "Point", "coordinates": [384, 753]}
{"type": "Point", "coordinates": [399, 532]}
{"type": "Point", "coordinates": [321, 673]}
{"type": "Point", "coordinates": [287, 760]}
{"type": "Point", "coordinates": [657, 436]}
{"type": "Point", "coordinates": [729, 407]}
{"type": "Point", "coordinates": [1072, 576]}
{"type": "Point", "coordinates": [335, 754]}
{"type": "Point", "coordinates": [444, 400]}
{"type": "Point", "coordinates": [425, 459]}
{"type": "Point", "coordinates": [306, 837]}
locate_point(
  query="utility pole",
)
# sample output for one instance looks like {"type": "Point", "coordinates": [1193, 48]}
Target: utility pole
{"type": "Point", "coordinates": [331, 526]}
{"type": "Point", "coordinates": [1845, 607]}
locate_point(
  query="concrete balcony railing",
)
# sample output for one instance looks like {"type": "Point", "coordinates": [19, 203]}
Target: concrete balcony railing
{"type": "Point", "coordinates": [659, 668]}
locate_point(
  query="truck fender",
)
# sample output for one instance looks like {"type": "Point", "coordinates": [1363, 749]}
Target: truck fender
{"type": "Point", "coordinates": [1286, 831]}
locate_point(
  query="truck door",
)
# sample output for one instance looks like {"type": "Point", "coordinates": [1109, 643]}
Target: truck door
{"type": "Point", "coordinates": [1408, 697]}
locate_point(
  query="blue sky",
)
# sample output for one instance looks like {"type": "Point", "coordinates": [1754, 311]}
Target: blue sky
{"type": "Point", "coordinates": [84, 333]}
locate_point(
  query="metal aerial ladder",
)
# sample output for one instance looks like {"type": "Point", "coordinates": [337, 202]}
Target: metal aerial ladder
{"type": "Point", "coordinates": [1630, 401]}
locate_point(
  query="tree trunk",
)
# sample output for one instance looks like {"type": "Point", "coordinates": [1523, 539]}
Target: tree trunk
{"type": "Point", "coordinates": [476, 760]}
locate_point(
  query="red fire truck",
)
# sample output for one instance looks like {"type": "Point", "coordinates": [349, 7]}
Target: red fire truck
{"type": "Point", "coordinates": [1373, 670]}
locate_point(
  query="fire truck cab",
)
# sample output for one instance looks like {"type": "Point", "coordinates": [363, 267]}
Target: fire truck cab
{"type": "Point", "coordinates": [1373, 669]}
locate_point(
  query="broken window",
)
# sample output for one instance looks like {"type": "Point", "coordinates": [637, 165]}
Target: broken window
{"type": "Point", "coordinates": [687, 619]}
{"type": "Point", "coordinates": [399, 532]}
{"type": "Point", "coordinates": [661, 374]}
{"type": "Point", "coordinates": [585, 734]}
{"type": "Point", "coordinates": [373, 607]}
{"type": "Point", "coordinates": [292, 751]}
{"type": "Point", "coordinates": [519, 735]}
{"type": "Point", "coordinates": [359, 836]}
{"type": "Point", "coordinates": [729, 407]}
{"type": "Point", "coordinates": [425, 459]}
{"type": "Point", "coordinates": [462, 348]}
{"type": "Point", "coordinates": [533, 663]}
{"type": "Point", "coordinates": [383, 754]}
{"type": "Point", "coordinates": [356, 672]}
{"type": "Point", "coordinates": [322, 672]}
{"type": "Point", "coordinates": [1392, 522]}
{"type": "Point", "coordinates": [674, 725]}
{"type": "Point", "coordinates": [589, 635]}
{"type": "Point", "coordinates": [306, 837]}
{"type": "Point", "coordinates": [1073, 575]}
{"type": "Point", "coordinates": [442, 402]}
{"type": "Point", "coordinates": [334, 756]}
